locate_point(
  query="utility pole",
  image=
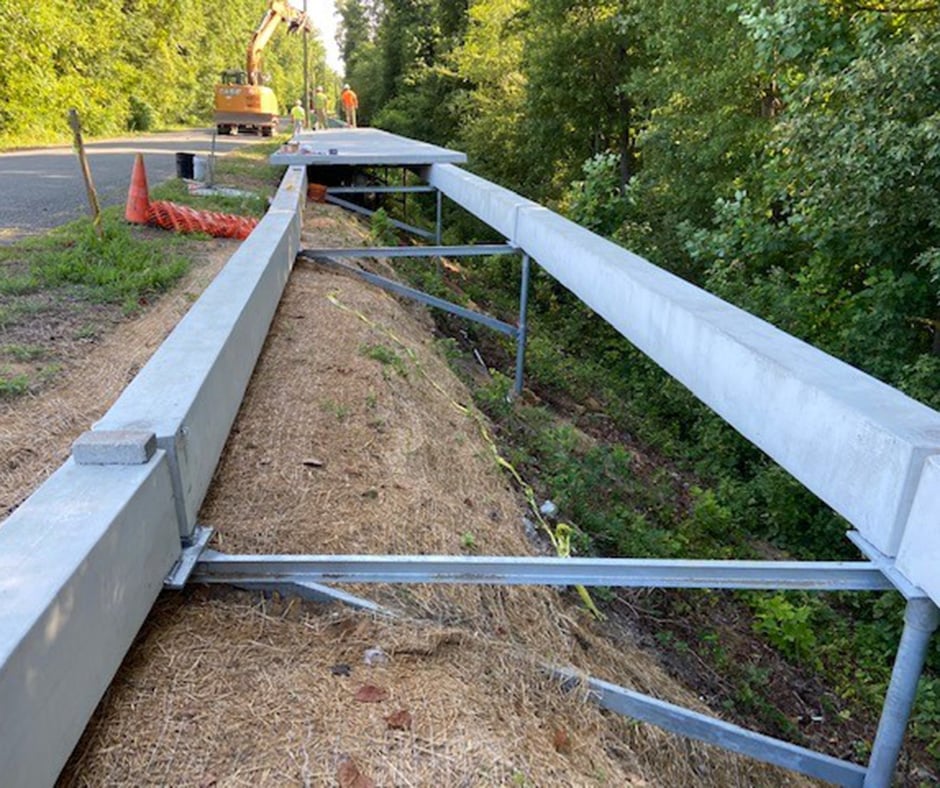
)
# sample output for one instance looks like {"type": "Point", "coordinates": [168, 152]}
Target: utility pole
{"type": "Point", "coordinates": [306, 72]}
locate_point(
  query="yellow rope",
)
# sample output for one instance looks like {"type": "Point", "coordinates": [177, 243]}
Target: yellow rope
{"type": "Point", "coordinates": [560, 536]}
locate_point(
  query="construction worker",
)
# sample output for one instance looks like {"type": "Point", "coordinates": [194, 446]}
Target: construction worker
{"type": "Point", "coordinates": [319, 104]}
{"type": "Point", "coordinates": [298, 116]}
{"type": "Point", "coordinates": [350, 104]}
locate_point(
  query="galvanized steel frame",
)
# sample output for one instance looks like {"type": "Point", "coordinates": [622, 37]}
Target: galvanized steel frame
{"type": "Point", "coordinates": [878, 573]}
{"type": "Point", "coordinates": [316, 256]}
{"type": "Point", "coordinates": [214, 567]}
{"type": "Point", "coordinates": [302, 575]}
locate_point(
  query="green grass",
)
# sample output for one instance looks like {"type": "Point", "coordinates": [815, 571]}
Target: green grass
{"type": "Point", "coordinates": [23, 352]}
{"type": "Point", "coordinates": [64, 275]}
{"type": "Point", "coordinates": [253, 203]}
{"type": "Point", "coordinates": [113, 269]}
{"type": "Point", "coordinates": [385, 356]}
{"type": "Point", "coordinates": [12, 385]}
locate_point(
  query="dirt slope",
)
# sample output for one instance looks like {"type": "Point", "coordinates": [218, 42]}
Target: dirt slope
{"type": "Point", "coordinates": [228, 688]}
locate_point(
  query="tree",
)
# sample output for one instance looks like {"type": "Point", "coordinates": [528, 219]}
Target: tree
{"type": "Point", "coordinates": [578, 57]}
{"type": "Point", "coordinates": [836, 236]}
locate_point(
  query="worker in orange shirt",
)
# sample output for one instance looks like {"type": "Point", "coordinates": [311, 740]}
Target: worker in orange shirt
{"type": "Point", "coordinates": [350, 104]}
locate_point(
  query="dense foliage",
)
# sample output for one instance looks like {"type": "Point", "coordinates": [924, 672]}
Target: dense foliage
{"type": "Point", "coordinates": [784, 154]}
{"type": "Point", "coordinates": [130, 65]}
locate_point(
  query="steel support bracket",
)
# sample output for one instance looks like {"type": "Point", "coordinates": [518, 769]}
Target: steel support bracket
{"type": "Point", "coordinates": [183, 568]}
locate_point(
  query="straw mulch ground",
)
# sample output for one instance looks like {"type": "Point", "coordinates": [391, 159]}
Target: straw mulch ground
{"type": "Point", "coordinates": [350, 440]}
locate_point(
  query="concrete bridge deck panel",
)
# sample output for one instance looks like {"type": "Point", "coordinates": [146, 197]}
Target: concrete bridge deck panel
{"type": "Point", "coordinates": [363, 147]}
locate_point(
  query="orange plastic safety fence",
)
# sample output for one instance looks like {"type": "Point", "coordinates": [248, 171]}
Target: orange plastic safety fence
{"type": "Point", "coordinates": [184, 219]}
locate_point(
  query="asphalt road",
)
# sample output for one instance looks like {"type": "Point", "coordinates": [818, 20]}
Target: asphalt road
{"type": "Point", "coordinates": [42, 188]}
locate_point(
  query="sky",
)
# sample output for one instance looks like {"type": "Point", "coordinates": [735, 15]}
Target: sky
{"type": "Point", "coordinates": [323, 14]}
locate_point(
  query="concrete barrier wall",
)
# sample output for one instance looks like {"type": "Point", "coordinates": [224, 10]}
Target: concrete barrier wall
{"type": "Point", "coordinates": [856, 443]}
{"type": "Point", "coordinates": [83, 559]}
{"type": "Point", "coordinates": [190, 390]}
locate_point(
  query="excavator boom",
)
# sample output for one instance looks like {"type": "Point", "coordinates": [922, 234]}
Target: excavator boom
{"type": "Point", "coordinates": [278, 11]}
{"type": "Point", "coordinates": [242, 102]}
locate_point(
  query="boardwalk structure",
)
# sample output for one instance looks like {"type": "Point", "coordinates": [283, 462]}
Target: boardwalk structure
{"type": "Point", "coordinates": [84, 558]}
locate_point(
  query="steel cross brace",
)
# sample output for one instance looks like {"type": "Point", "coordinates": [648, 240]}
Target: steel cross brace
{"type": "Point", "coordinates": [213, 567]}
{"type": "Point", "coordinates": [351, 206]}
{"type": "Point", "coordinates": [380, 189]}
{"type": "Point", "coordinates": [299, 574]}
{"type": "Point", "coordinates": [381, 252]}
{"type": "Point", "coordinates": [410, 292]}
{"type": "Point", "coordinates": [711, 730]}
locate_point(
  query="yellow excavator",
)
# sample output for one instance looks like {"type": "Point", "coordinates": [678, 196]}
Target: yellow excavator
{"type": "Point", "coordinates": [242, 103]}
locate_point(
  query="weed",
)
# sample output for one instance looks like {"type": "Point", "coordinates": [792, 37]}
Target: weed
{"type": "Point", "coordinates": [337, 409]}
{"type": "Point", "coordinates": [24, 352]}
{"type": "Point", "coordinates": [12, 385]}
{"type": "Point", "coordinates": [787, 624]}
{"type": "Point", "coordinates": [87, 331]}
{"type": "Point", "coordinates": [468, 541]}
{"type": "Point", "coordinates": [382, 230]}
{"type": "Point", "coordinates": [386, 357]}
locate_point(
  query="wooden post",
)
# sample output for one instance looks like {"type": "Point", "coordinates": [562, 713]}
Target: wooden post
{"type": "Point", "coordinates": [86, 172]}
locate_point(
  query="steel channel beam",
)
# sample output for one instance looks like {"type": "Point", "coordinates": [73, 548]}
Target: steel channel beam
{"type": "Point", "coordinates": [382, 252]}
{"type": "Point", "coordinates": [711, 730]}
{"type": "Point", "coordinates": [417, 295]}
{"type": "Point", "coordinates": [379, 189]}
{"type": "Point", "coordinates": [351, 206]}
{"type": "Point", "coordinates": [215, 567]}
{"type": "Point", "coordinates": [438, 217]}
{"type": "Point", "coordinates": [315, 592]}
{"type": "Point", "coordinates": [886, 566]}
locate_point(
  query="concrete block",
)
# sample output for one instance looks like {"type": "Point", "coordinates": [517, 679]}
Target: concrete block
{"type": "Point", "coordinates": [81, 563]}
{"type": "Point", "coordinates": [919, 556]}
{"type": "Point", "coordinates": [115, 447]}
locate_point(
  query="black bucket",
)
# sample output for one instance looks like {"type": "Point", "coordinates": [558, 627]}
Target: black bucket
{"type": "Point", "coordinates": [184, 165]}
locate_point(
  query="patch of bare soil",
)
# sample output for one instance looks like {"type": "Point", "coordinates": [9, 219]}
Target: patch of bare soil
{"type": "Point", "coordinates": [92, 368]}
{"type": "Point", "coordinates": [354, 437]}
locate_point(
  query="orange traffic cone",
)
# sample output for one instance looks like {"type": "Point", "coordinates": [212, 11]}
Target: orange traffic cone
{"type": "Point", "coordinates": [138, 196]}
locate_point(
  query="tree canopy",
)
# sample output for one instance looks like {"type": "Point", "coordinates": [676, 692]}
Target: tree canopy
{"type": "Point", "coordinates": [130, 64]}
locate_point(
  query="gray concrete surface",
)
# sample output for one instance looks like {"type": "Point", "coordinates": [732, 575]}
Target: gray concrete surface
{"type": "Point", "coordinates": [364, 146]}
{"type": "Point", "coordinates": [860, 445]}
{"type": "Point", "coordinates": [81, 563]}
{"type": "Point", "coordinates": [200, 372]}
{"type": "Point", "coordinates": [919, 555]}
{"type": "Point", "coordinates": [84, 557]}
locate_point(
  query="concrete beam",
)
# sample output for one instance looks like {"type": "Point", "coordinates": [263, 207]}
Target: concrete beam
{"type": "Point", "coordinates": [919, 556]}
{"type": "Point", "coordinates": [190, 391]}
{"type": "Point", "coordinates": [81, 563]}
{"type": "Point", "coordinates": [856, 443]}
